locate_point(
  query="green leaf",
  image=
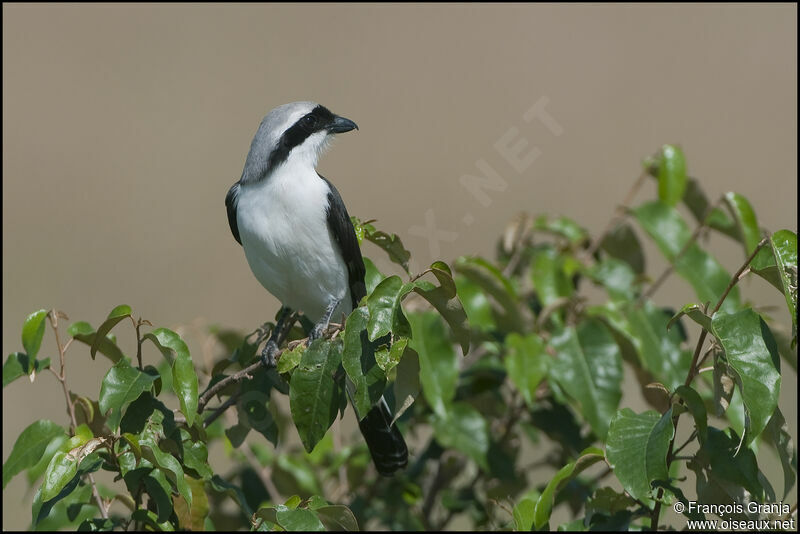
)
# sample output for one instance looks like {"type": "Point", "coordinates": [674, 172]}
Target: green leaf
{"type": "Point", "coordinates": [382, 304]}
{"type": "Point", "coordinates": [83, 332]}
{"type": "Point", "coordinates": [588, 367]}
{"type": "Point", "coordinates": [696, 200]}
{"type": "Point", "coordinates": [562, 226]}
{"type": "Point", "coordinates": [492, 281]}
{"type": "Point", "coordinates": [753, 355]}
{"type": "Point", "coordinates": [169, 464]}
{"type": "Point", "coordinates": [388, 358]}
{"type": "Point", "coordinates": [313, 393]}
{"type": "Point", "coordinates": [358, 360]}
{"type": "Point", "coordinates": [617, 277]}
{"type": "Point", "coordinates": [549, 279]}
{"type": "Point", "coordinates": [60, 471]}
{"type": "Point", "coordinates": [291, 358]}
{"type": "Point", "coordinates": [622, 244]}
{"type": "Point", "coordinates": [527, 363]}
{"type": "Point", "coordinates": [298, 519]}
{"type": "Point", "coordinates": [777, 434]}
{"type": "Point", "coordinates": [117, 314]}
{"type": "Point", "coordinates": [30, 447]}
{"type": "Point", "coordinates": [476, 304]}
{"type": "Point", "coordinates": [671, 234]}
{"type": "Point", "coordinates": [372, 276]}
{"type": "Point", "coordinates": [745, 219]}
{"type": "Point", "coordinates": [695, 313]}
{"type": "Point", "coordinates": [221, 485]}
{"type": "Point", "coordinates": [637, 450]}
{"type": "Point", "coordinates": [32, 333]}
{"type": "Point", "coordinates": [523, 515]}
{"type": "Point", "coordinates": [671, 175]}
{"type": "Point", "coordinates": [463, 428]}
{"type": "Point", "coordinates": [184, 378]}
{"type": "Point", "coordinates": [193, 517]}
{"type": "Point", "coordinates": [406, 383]}
{"type": "Point", "coordinates": [446, 302]}
{"type": "Point", "coordinates": [697, 408]}
{"type": "Point", "coordinates": [438, 364]}
{"type": "Point", "coordinates": [20, 364]}
{"type": "Point", "coordinates": [121, 385]}
{"type": "Point", "coordinates": [544, 505]}
{"type": "Point", "coordinates": [337, 518]}
{"type": "Point", "coordinates": [784, 248]}
{"type": "Point", "coordinates": [390, 243]}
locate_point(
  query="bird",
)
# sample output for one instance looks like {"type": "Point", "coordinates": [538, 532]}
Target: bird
{"type": "Point", "coordinates": [300, 243]}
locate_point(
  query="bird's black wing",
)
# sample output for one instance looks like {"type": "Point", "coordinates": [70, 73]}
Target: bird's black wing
{"type": "Point", "coordinates": [345, 235]}
{"type": "Point", "coordinates": [231, 200]}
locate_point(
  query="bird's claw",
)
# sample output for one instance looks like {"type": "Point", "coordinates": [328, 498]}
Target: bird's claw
{"type": "Point", "coordinates": [268, 354]}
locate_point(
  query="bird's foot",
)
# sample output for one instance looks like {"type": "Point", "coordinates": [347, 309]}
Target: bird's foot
{"type": "Point", "coordinates": [268, 354]}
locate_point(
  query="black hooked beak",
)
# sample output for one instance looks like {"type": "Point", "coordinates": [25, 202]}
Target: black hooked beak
{"type": "Point", "coordinates": [341, 125]}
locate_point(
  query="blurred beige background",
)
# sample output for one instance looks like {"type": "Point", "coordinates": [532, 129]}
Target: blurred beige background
{"type": "Point", "coordinates": [124, 126]}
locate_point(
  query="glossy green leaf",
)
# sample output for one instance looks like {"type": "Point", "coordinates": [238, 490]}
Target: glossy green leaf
{"type": "Point", "coordinates": [221, 485]}
{"type": "Point", "coordinates": [115, 316]}
{"type": "Point", "coordinates": [372, 276]}
{"type": "Point", "coordinates": [527, 363]}
{"type": "Point", "coordinates": [745, 219]}
{"type": "Point", "coordinates": [752, 354]}
{"type": "Point", "coordinates": [358, 360]}
{"type": "Point", "coordinates": [696, 200]}
{"type": "Point", "coordinates": [637, 450]}
{"type": "Point", "coordinates": [30, 447]}
{"type": "Point", "coordinates": [463, 428]}
{"type": "Point", "coordinates": [337, 518]}
{"type": "Point", "coordinates": [671, 174]}
{"type": "Point", "coordinates": [549, 280]}
{"type": "Point", "coordinates": [523, 515]}
{"type": "Point", "coordinates": [390, 243]}
{"type": "Point", "coordinates": [544, 505]}
{"type": "Point", "coordinates": [671, 234]}
{"type": "Point", "coordinates": [563, 226]}
{"type": "Point", "coordinates": [622, 244]}
{"type": "Point", "coordinates": [32, 333]}
{"type": "Point", "coordinates": [184, 378]}
{"type": "Point", "coordinates": [697, 408]}
{"type": "Point", "coordinates": [495, 284]}
{"type": "Point", "coordinates": [617, 277]}
{"type": "Point", "coordinates": [383, 304]}
{"type": "Point", "coordinates": [695, 313]}
{"type": "Point", "coordinates": [60, 471]}
{"type": "Point", "coordinates": [406, 382]}
{"type": "Point", "coordinates": [299, 519]}
{"type": "Point", "coordinates": [476, 304]}
{"type": "Point", "coordinates": [313, 393]}
{"type": "Point", "coordinates": [784, 248]}
{"type": "Point", "coordinates": [169, 464]}
{"type": "Point", "coordinates": [388, 357]}
{"type": "Point", "coordinates": [438, 364]}
{"type": "Point", "coordinates": [83, 332]}
{"type": "Point", "coordinates": [445, 300]}
{"type": "Point", "coordinates": [61, 478]}
{"type": "Point", "coordinates": [588, 366]}
{"type": "Point", "coordinates": [777, 434]}
{"type": "Point", "coordinates": [20, 364]}
{"type": "Point", "coordinates": [121, 385]}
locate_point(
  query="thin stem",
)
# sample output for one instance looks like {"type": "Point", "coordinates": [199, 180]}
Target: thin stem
{"type": "Point", "coordinates": [62, 378]}
{"type": "Point", "coordinates": [139, 343]}
{"type": "Point", "coordinates": [220, 410]}
{"type": "Point", "coordinates": [671, 267]}
{"type": "Point", "coordinates": [619, 213]}
{"type": "Point", "coordinates": [247, 372]}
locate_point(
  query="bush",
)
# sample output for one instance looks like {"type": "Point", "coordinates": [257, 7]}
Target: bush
{"type": "Point", "coordinates": [486, 361]}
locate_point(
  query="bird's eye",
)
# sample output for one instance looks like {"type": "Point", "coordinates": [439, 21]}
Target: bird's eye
{"type": "Point", "coordinates": [310, 121]}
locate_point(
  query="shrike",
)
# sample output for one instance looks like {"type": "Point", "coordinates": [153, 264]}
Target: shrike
{"type": "Point", "coordinates": [300, 243]}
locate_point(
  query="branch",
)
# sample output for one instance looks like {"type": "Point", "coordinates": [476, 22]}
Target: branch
{"type": "Point", "coordinates": [247, 372]}
{"type": "Point", "coordinates": [53, 315]}
{"type": "Point", "coordinates": [619, 213]}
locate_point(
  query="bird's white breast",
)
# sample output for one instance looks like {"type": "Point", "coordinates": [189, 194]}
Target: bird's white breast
{"type": "Point", "coordinates": [284, 231]}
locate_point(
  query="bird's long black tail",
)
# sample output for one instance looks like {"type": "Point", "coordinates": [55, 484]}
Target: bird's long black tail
{"type": "Point", "coordinates": [385, 442]}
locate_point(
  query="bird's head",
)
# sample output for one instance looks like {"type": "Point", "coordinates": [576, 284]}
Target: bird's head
{"type": "Point", "coordinates": [299, 130]}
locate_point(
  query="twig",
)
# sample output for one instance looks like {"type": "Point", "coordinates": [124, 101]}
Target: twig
{"type": "Point", "coordinates": [619, 213]}
{"type": "Point", "coordinates": [518, 249]}
{"type": "Point", "coordinates": [62, 378]}
{"type": "Point", "coordinates": [247, 372]}
{"type": "Point", "coordinates": [219, 411]}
